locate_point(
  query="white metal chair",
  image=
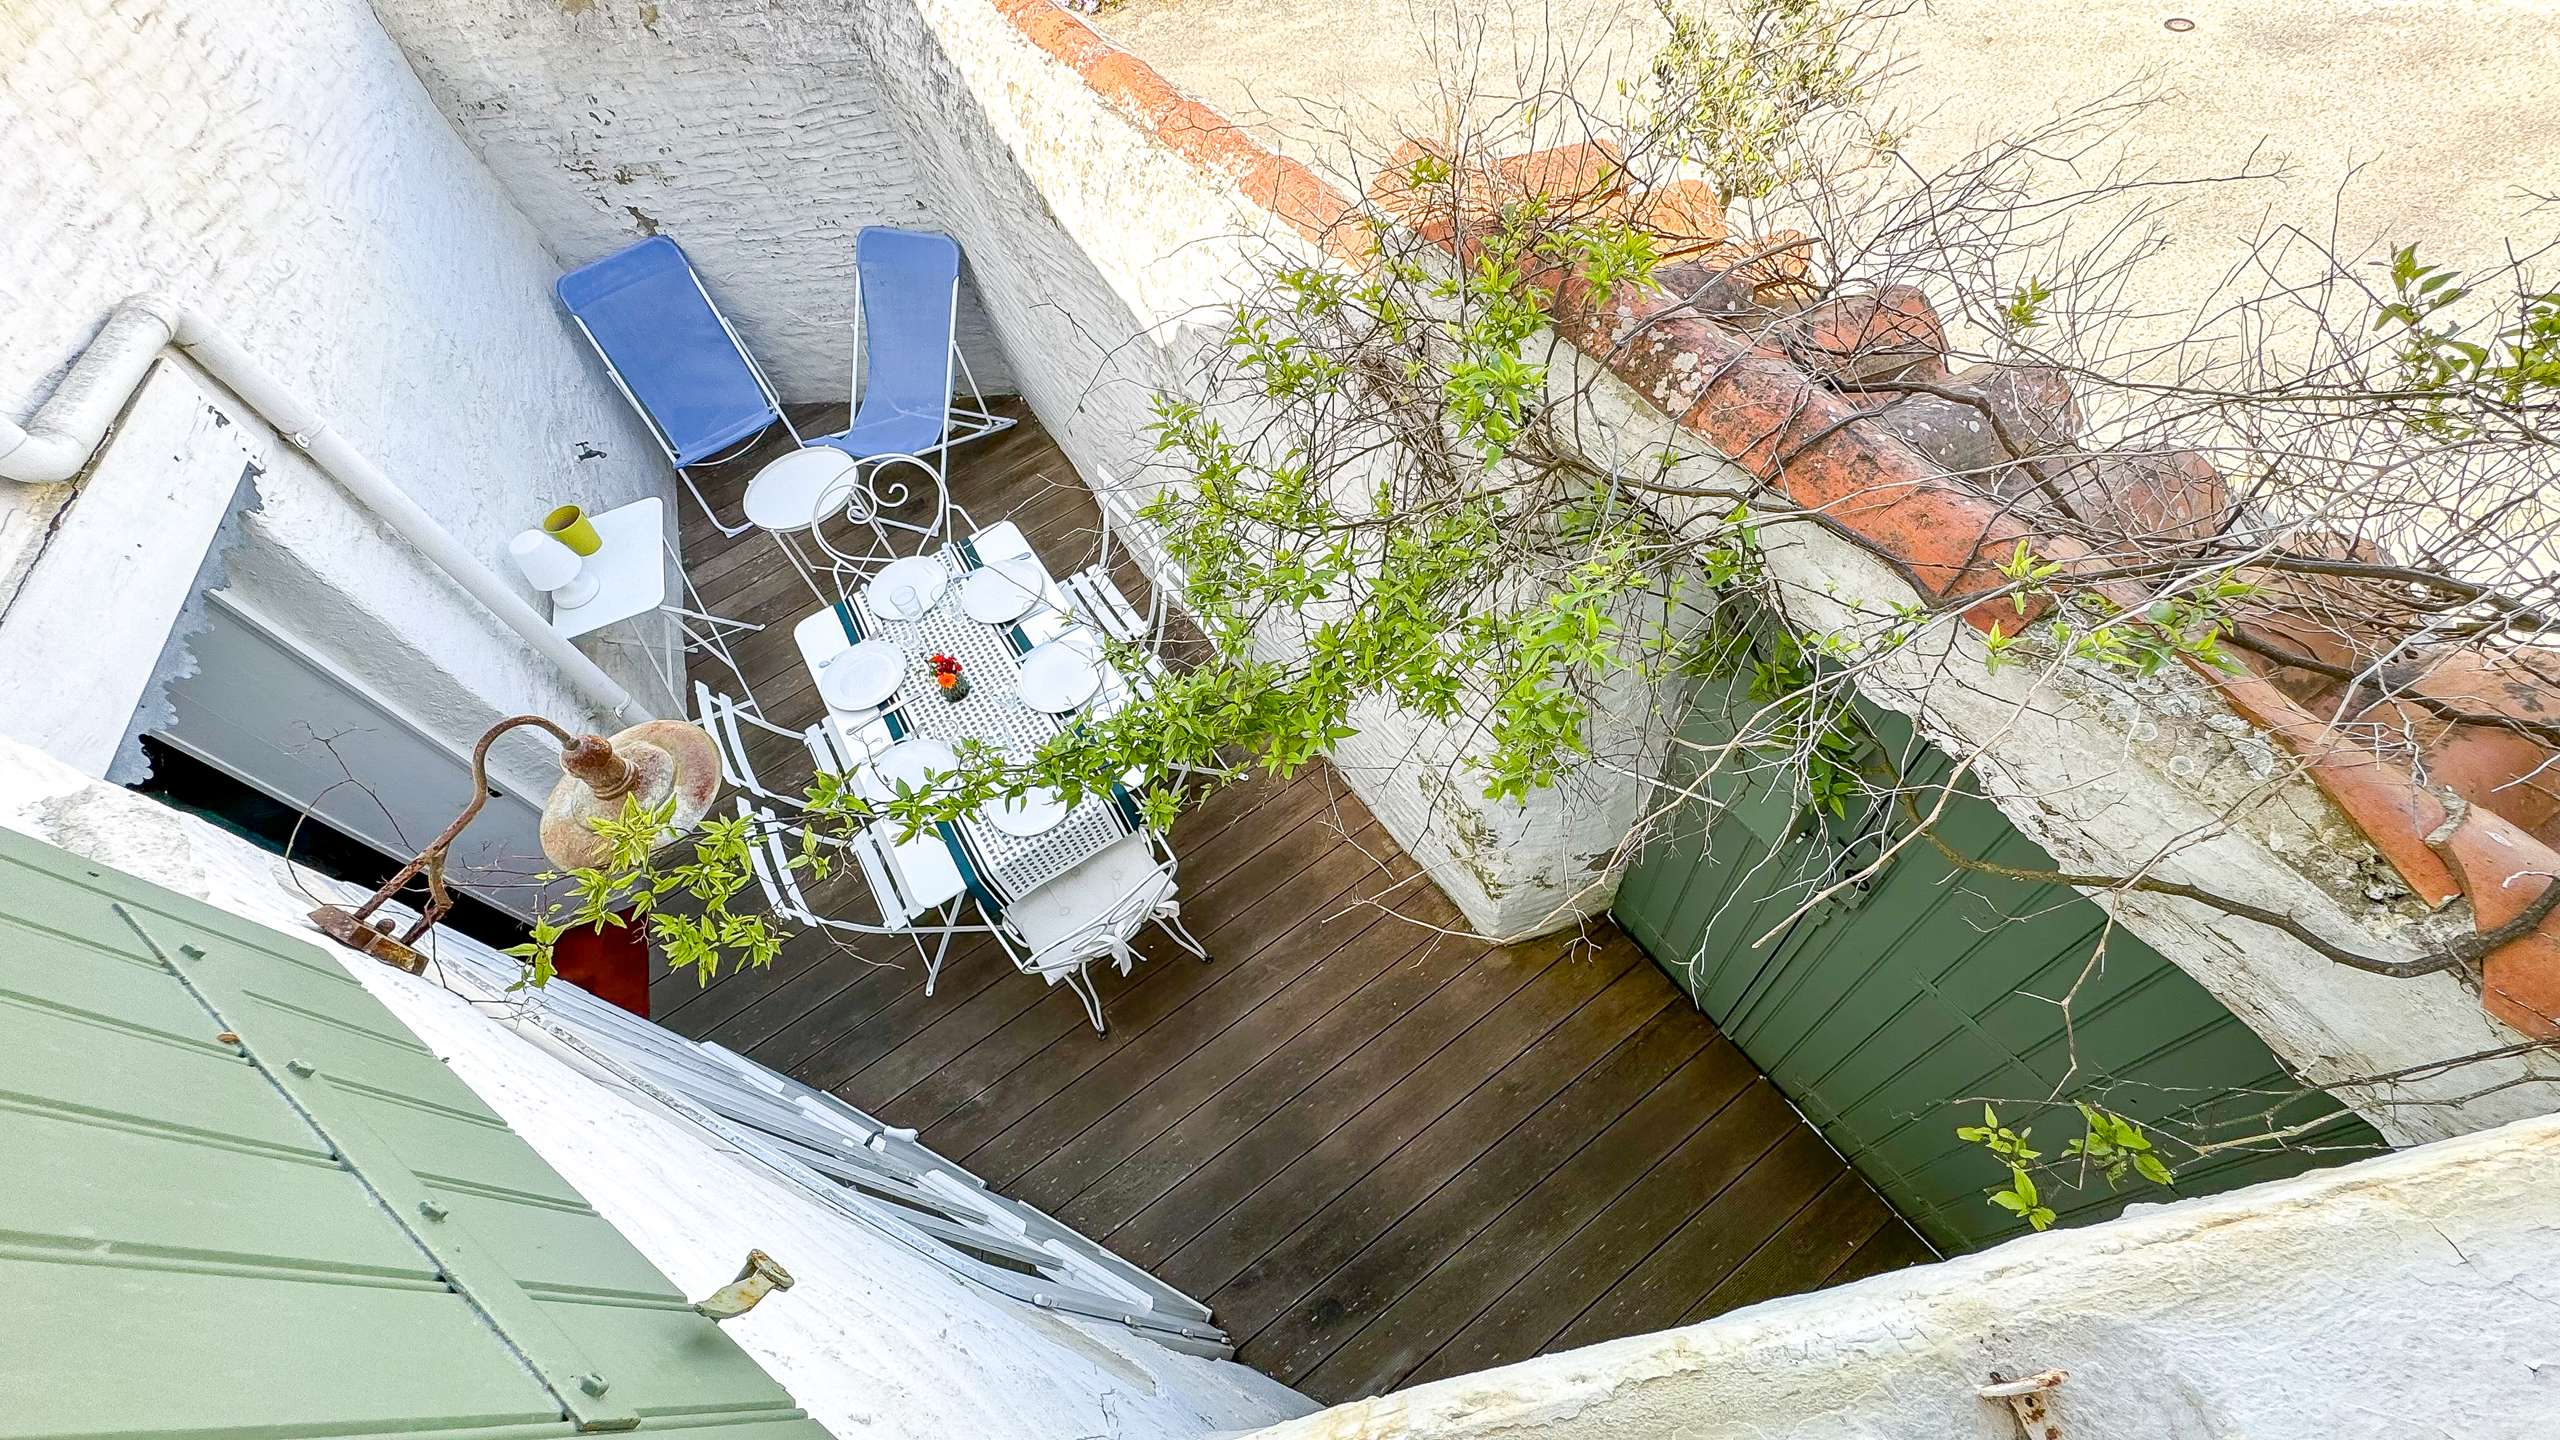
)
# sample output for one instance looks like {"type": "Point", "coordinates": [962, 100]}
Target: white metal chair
{"type": "Point", "coordinates": [728, 720]}
{"type": "Point", "coordinates": [905, 903]}
{"type": "Point", "coordinates": [904, 516]}
{"type": "Point", "coordinates": [1100, 599]}
{"type": "Point", "coordinates": [1094, 912]}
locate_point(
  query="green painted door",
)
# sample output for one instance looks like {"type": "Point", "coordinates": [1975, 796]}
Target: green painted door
{"type": "Point", "coordinates": [1886, 1013]}
{"type": "Point", "coordinates": [241, 1199]}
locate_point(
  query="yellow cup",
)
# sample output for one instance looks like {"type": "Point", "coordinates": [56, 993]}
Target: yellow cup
{"type": "Point", "coordinates": [570, 526]}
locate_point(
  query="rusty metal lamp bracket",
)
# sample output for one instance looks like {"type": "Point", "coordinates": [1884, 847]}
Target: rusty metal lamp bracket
{"type": "Point", "coordinates": [590, 758]}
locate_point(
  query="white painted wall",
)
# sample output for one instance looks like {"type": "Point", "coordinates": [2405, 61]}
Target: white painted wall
{"type": "Point", "coordinates": [872, 1339]}
{"type": "Point", "coordinates": [2403, 1296]}
{"type": "Point", "coordinates": [753, 133]}
{"type": "Point", "coordinates": [277, 164]}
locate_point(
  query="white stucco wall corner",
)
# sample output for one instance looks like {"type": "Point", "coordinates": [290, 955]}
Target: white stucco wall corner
{"type": "Point", "coordinates": [2406, 1295]}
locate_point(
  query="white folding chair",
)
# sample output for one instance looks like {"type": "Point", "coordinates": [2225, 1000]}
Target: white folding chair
{"type": "Point", "coordinates": [905, 905]}
{"type": "Point", "coordinates": [1094, 912]}
{"type": "Point", "coordinates": [1096, 592]}
{"type": "Point", "coordinates": [1098, 601]}
{"type": "Point", "coordinates": [725, 717]}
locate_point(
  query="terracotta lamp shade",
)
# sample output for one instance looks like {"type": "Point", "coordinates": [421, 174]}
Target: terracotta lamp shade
{"type": "Point", "coordinates": [648, 762]}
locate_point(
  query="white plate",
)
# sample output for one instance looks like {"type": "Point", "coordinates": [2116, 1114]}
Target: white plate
{"type": "Point", "coordinates": [1024, 816]}
{"type": "Point", "coordinates": [912, 762]}
{"type": "Point", "coordinates": [1003, 590]}
{"type": "Point", "coordinates": [1059, 676]}
{"type": "Point", "coordinates": [907, 589]}
{"type": "Point", "coordinates": [862, 677]}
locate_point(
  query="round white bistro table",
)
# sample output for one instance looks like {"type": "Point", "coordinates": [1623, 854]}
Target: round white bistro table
{"type": "Point", "coordinates": [785, 498]}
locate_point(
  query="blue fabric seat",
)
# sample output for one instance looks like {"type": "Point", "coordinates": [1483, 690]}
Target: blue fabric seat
{"type": "Point", "coordinates": [908, 293]}
{"type": "Point", "coordinates": [900, 432]}
{"type": "Point", "coordinates": [670, 352]}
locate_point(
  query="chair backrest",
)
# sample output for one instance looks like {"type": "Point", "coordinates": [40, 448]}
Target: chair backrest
{"type": "Point", "coordinates": [871, 855]}
{"type": "Point", "coordinates": [770, 858]}
{"type": "Point", "coordinates": [719, 716]}
{"type": "Point", "coordinates": [771, 843]}
{"type": "Point", "coordinates": [668, 348]}
{"type": "Point", "coordinates": [910, 283]}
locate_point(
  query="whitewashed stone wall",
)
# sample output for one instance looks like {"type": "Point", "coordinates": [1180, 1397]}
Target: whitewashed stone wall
{"type": "Point", "coordinates": [278, 165]}
{"type": "Point", "coordinates": [2403, 1296]}
{"type": "Point", "coordinates": [872, 1339]}
{"type": "Point", "coordinates": [756, 134]}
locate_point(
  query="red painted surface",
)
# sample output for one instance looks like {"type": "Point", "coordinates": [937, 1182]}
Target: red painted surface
{"type": "Point", "coordinates": [610, 964]}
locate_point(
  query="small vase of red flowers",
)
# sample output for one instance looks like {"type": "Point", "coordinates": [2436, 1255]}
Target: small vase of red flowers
{"type": "Point", "coordinates": [947, 677]}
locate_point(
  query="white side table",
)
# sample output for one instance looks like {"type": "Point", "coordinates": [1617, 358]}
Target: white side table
{"type": "Point", "coordinates": [630, 569]}
{"type": "Point", "coordinates": [788, 496]}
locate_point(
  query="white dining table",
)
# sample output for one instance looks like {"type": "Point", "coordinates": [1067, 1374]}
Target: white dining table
{"type": "Point", "coordinates": [973, 854]}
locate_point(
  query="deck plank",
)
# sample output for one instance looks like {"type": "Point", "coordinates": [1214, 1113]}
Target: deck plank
{"type": "Point", "coordinates": [1049, 1099]}
{"type": "Point", "coordinates": [1335, 1283]}
{"type": "Point", "coordinates": [1382, 1149]}
{"type": "Point", "coordinates": [1463, 1281]}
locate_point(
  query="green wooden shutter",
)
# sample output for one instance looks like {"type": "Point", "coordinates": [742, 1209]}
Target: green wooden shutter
{"type": "Point", "coordinates": [242, 1199]}
{"type": "Point", "coordinates": [1880, 1011]}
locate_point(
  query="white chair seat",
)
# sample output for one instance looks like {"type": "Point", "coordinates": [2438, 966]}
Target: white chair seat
{"type": "Point", "coordinates": [1056, 922]}
{"type": "Point", "coordinates": [925, 868]}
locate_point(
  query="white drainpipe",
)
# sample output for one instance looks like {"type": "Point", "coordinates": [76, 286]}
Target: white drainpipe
{"type": "Point", "coordinates": [60, 438]}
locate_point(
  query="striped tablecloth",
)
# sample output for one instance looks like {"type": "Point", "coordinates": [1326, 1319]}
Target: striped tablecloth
{"type": "Point", "coordinates": [997, 867]}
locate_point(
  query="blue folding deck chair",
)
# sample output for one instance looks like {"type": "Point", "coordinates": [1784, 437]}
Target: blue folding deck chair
{"type": "Point", "coordinates": [673, 356]}
{"type": "Point", "coordinates": [906, 300]}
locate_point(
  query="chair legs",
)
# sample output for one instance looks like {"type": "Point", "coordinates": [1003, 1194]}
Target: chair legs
{"type": "Point", "coordinates": [1172, 923]}
{"type": "Point", "coordinates": [1080, 980]}
{"type": "Point", "coordinates": [732, 531]}
{"type": "Point", "coordinates": [932, 961]}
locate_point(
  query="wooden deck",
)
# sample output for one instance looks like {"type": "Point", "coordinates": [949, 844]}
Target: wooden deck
{"type": "Point", "coordinates": [1383, 1152]}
